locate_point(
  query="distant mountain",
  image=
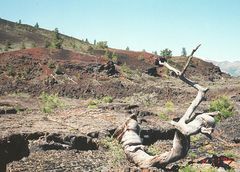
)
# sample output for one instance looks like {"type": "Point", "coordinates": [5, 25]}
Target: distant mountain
{"type": "Point", "coordinates": [233, 68]}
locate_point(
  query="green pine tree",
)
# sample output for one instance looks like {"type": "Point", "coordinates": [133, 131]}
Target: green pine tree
{"type": "Point", "coordinates": [166, 53]}
{"type": "Point", "coordinates": [184, 52]}
{"type": "Point", "coordinates": [57, 40]}
{"type": "Point", "coordinates": [36, 25]}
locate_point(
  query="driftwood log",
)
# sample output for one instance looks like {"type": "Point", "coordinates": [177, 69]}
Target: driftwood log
{"type": "Point", "coordinates": [189, 124]}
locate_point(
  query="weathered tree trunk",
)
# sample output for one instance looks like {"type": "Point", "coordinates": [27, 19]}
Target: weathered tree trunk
{"type": "Point", "coordinates": [189, 124]}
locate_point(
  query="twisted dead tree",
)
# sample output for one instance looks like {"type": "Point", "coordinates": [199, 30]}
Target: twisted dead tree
{"type": "Point", "coordinates": [189, 124]}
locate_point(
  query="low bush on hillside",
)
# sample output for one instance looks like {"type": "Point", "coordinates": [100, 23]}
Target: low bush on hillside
{"type": "Point", "coordinates": [11, 71]}
{"type": "Point", "coordinates": [50, 102]}
{"type": "Point", "coordinates": [51, 64]}
{"type": "Point", "coordinates": [163, 116]}
{"type": "Point", "coordinates": [102, 44]}
{"type": "Point", "coordinates": [59, 70]}
{"type": "Point", "coordinates": [169, 106]}
{"type": "Point", "coordinates": [224, 106]}
{"type": "Point", "coordinates": [126, 70]}
{"type": "Point", "coordinates": [92, 104]}
{"type": "Point", "coordinates": [107, 99]}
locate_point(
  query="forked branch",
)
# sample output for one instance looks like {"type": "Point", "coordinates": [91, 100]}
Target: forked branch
{"type": "Point", "coordinates": [189, 124]}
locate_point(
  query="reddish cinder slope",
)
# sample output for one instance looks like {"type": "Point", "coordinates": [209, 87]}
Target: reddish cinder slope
{"type": "Point", "coordinates": [56, 54]}
{"type": "Point", "coordinates": [137, 55]}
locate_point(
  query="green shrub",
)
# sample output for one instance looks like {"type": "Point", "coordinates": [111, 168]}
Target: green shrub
{"type": "Point", "coordinates": [188, 168]}
{"type": "Point", "coordinates": [7, 46]}
{"type": "Point", "coordinates": [192, 154]}
{"type": "Point", "coordinates": [11, 71]}
{"type": "Point", "coordinates": [107, 99]}
{"type": "Point", "coordinates": [230, 154]}
{"type": "Point", "coordinates": [93, 104]}
{"type": "Point", "coordinates": [107, 55]}
{"type": "Point", "coordinates": [57, 40]}
{"type": "Point", "coordinates": [59, 70]}
{"type": "Point", "coordinates": [47, 44]}
{"type": "Point", "coordinates": [114, 149]}
{"type": "Point", "coordinates": [169, 105]}
{"type": "Point", "coordinates": [51, 64]}
{"type": "Point", "coordinates": [125, 69]}
{"type": "Point", "coordinates": [50, 102]}
{"type": "Point", "coordinates": [224, 106]}
{"type": "Point", "coordinates": [163, 116]}
{"type": "Point", "coordinates": [114, 57]}
{"type": "Point", "coordinates": [166, 53]}
{"type": "Point", "coordinates": [102, 44]}
{"type": "Point", "coordinates": [153, 150]}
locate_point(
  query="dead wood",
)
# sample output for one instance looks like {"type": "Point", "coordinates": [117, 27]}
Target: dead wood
{"type": "Point", "coordinates": [189, 124]}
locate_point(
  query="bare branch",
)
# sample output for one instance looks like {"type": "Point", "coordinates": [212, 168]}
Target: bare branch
{"type": "Point", "coordinates": [189, 124]}
{"type": "Point", "coordinates": [201, 90]}
{"type": "Point", "coordinates": [189, 59]}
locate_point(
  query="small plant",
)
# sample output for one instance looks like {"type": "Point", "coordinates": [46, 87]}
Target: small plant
{"type": "Point", "coordinates": [169, 106]}
{"type": "Point", "coordinates": [51, 64]}
{"type": "Point", "coordinates": [114, 149]}
{"type": "Point", "coordinates": [50, 102]}
{"type": "Point", "coordinates": [192, 154]}
{"type": "Point", "coordinates": [90, 49]}
{"type": "Point", "coordinates": [11, 71]}
{"type": "Point", "coordinates": [59, 70]}
{"type": "Point", "coordinates": [125, 69]}
{"type": "Point", "coordinates": [93, 104]}
{"type": "Point", "coordinates": [188, 168]}
{"type": "Point", "coordinates": [107, 99]}
{"type": "Point", "coordinates": [114, 57]}
{"type": "Point", "coordinates": [209, 169]}
{"type": "Point", "coordinates": [224, 106]}
{"type": "Point", "coordinates": [107, 55]}
{"type": "Point", "coordinates": [195, 138]}
{"type": "Point", "coordinates": [230, 154]}
{"type": "Point", "coordinates": [7, 46]}
{"type": "Point", "coordinates": [163, 116]}
{"type": "Point", "coordinates": [102, 44]}
{"type": "Point", "coordinates": [153, 150]}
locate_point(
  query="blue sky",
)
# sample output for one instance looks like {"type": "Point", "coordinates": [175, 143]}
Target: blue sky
{"type": "Point", "coordinates": [140, 24]}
